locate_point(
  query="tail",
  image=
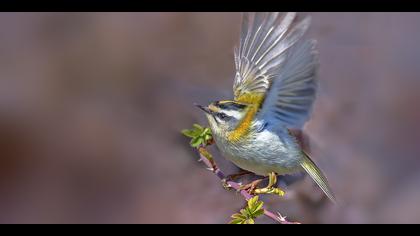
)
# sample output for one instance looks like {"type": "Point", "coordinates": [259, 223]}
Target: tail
{"type": "Point", "coordinates": [316, 174]}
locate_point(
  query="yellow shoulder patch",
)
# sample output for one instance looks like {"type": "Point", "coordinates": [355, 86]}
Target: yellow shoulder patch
{"type": "Point", "coordinates": [251, 98]}
{"type": "Point", "coordinates": [243, 128]}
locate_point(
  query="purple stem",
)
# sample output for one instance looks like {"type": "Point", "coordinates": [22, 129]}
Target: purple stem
{"type": "Point", "coordinates": [237, 186]}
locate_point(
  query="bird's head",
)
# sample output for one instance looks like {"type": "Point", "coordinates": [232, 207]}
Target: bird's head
{"type": "Point", "coordinates": [224, 116]}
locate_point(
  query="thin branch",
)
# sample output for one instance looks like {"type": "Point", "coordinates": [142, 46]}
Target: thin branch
{"type": "Point", "coordinates": [211, 165]}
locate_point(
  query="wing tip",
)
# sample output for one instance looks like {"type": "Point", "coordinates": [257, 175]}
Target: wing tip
{"type": "Point", "coordinates": [316, 174]}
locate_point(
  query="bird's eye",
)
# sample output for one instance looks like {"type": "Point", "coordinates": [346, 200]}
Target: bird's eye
{"type": "Point", "coordinates": [223, 116]}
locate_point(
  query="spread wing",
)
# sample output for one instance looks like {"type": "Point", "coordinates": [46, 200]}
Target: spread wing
{"type": "Point", "coordinates": [274, 68]}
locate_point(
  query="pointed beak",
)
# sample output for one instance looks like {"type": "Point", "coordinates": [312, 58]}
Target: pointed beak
{"type": "Point", "coordinates": [205, 109]}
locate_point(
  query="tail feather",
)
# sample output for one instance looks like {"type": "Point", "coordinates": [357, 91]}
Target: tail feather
{"type": "Point", "coordinates": [316, 174]}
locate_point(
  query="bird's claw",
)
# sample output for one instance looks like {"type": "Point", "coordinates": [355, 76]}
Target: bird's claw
{"type": "Point", "coordinates": [251, 187]}
{"type": "Point", "coordinates": [225, 184]}
{"type": "Point", "coordinates": [269, 189]}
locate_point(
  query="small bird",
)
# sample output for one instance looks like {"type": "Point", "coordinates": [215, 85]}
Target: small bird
{"type": "Point", "coordinates": [274, 89]}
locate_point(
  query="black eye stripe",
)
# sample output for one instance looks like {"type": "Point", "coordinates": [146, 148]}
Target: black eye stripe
{"type": "Point", "coordinates": [223, 116]}
{"type": "Point", "coordinates": [230, 106]}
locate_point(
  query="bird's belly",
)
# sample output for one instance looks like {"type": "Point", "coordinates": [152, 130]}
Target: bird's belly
{"type": "Point", "coordinates": [263, 154]}
{"type": "Point", "coordinates": [257, 167]}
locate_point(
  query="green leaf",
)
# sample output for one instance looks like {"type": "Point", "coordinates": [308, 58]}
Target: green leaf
{"type": "Point", "coordinates": [250, 221]}
{"type": "Point", "coordinates": [198, 127]}
{"type": "Point", "coordinates": [252, 203]}
{"type": "Point", "coordinates": [188, 132]}
{"type": "Point", "coordinates": [236, 221]}
{"type": "Point", "coordinates": [259, 212]}
{"type": "Point", "coordinates": [257, 206]}
{"type": "Point", "coordinates": [248, 215]}
{"type": "Point", "coordinates": [238, 216]}
{"type": "Point", "coordinates": [254, 208]}
{"type": "Point", "coordinates": [198, 135]}
{"type": "Point", "coordinates": [195, 142]}
{"type": "Point", "coordinates": [206, 131]}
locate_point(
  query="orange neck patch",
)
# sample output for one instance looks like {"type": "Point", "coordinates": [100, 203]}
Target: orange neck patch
{"type": "Point", "coordinates": [243, 128]}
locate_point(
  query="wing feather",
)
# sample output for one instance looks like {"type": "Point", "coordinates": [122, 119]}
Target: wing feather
{"type": "Point", "coordinates": [290, 98]}
{"type": "Point", "coordinates": [275, 68]}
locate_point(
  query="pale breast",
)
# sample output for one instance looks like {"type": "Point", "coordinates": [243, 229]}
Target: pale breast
{"type": "Point", "coordinates": [263, 152]}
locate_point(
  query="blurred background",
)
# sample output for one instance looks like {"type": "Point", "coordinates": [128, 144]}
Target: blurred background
{"type": "Point", "coordinates": [92, 104]}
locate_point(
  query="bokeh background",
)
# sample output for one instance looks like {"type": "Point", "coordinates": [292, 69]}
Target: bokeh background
{"type": "Point", "coordinates": [91, 105]}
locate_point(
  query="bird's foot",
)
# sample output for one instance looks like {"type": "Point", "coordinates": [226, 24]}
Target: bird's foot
{"type": "Point", "coordinates": [233, 177]}
{"type": "Point", "coordinates": [272, 190]}
{"type": "Point", "coordinates": [225, 184]}
{"type": "Point", "coordinates": [251, 187]}
{"type": "Point", "coordinates": [269, 189]}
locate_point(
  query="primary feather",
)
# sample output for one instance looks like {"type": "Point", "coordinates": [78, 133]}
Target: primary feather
{"type": "Point", "coordinates": [274, 69]}
{"type": "Point", "coordinates": [260, 44]}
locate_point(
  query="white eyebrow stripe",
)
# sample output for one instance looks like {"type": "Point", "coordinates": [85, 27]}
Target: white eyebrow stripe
{"type": "Point", "coordinates": [235, 114]}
